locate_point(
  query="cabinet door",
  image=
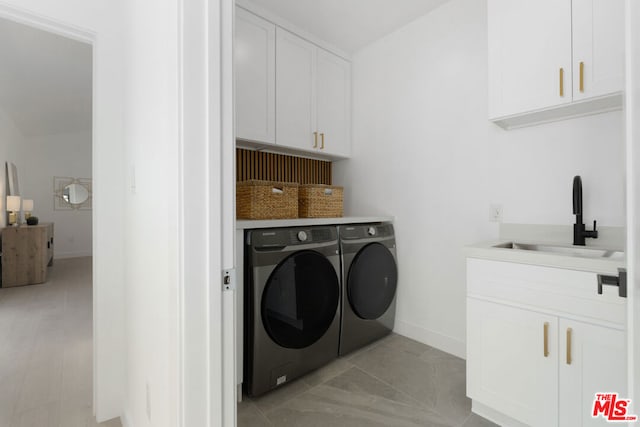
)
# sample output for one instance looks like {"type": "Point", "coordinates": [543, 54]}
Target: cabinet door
{"type": "Point", "coordinates": [507, 368]}
{"type": "Point", "coordinates": [598, 44]}
{"type": "Point", "coordinates": [598, 364]}
{"type": "Point", "coordinates": [255, 56]}
{"type": "Point", "coordinates": [529, 43]}
{"type": "Point", "coordinates": [295, 91]}
{"type": "Point", "coordinates": [334, 103]}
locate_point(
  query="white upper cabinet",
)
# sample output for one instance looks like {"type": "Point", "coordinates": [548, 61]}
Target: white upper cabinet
{"type": "Point", "coordinates": [529, 55]}
{"type": "Point", "coordinates": [255, 82]}
{"type": "Point", "coordinates": [295, 91]}
{"type": "Point", "coordinates": [313, 97]}
{"type": "Point", "coordinates": [554, 59]}
{"type": "Point", "coordinates": [598, 47]}
{"type": "Point", "coordinates": [289, 91]}
{"type": "Point", "coordinates": [334, 103]}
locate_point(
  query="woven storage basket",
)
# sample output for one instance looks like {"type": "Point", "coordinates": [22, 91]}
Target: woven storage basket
{"type": "Point", "coordinates": [266, 200]}
{"type": "Point", "coordinates": [320, 201]}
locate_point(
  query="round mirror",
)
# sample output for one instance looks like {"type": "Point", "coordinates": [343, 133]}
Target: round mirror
{"type": "Point", "coordinates": [75, 194]}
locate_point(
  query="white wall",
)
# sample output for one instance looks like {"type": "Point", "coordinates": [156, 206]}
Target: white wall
{"type": "Point", "coordinates": [65, 155]}
{"type": "Point", "coordinates": [100, 20]}
{"type": "Point", "coordinates": [10, 139]}
{"type": "Point", "coordinates": [151, 112]}
{"type": "Point", "coordinates": [424, 151]}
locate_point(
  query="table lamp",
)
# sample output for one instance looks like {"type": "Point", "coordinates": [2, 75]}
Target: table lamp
{"type": "Point", "coordinates": [13, 207]}
{"type": "Point", "coordinates": [27, 207]}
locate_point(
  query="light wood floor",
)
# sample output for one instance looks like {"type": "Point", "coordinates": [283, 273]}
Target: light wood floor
{"type": "Point", "coordinates": [46, 350]}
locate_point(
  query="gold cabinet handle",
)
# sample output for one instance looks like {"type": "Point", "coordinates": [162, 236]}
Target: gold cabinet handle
{"type": "Point", "coordinates": [581, 76]}
{"type": "Point", "coordinates": [569, 331]}
{"type": "Point", "coordinates": [315, 140]}
{"type": "Point", "coordinates": [561, 81]}
{"type": "Point", "coordinates": [546, 339]}
{"type": "Point", "coordinates": [322, 141]}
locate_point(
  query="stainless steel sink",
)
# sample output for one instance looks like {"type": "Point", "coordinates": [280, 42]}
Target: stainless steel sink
{"type": "Point", "coordinates": [565, 250]}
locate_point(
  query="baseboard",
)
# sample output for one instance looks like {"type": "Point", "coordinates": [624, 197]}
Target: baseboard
{"type": "Point", "coordinates": [434, 339]}
{"type": "Point", "coordinates": [63, 255]}
{"type": "Point", "coordinates": [124, 420]}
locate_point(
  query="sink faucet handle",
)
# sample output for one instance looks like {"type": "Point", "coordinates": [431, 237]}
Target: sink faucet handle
{"type": "Point", "coordinates": [594, 225]}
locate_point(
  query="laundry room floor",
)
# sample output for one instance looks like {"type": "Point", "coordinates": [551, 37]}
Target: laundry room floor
{"type": "Point", "coordinates": [393, 382]}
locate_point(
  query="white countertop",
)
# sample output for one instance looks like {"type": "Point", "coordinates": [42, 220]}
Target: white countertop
{"type": "Point", "coordinates": [304, 222]}
{"type": "Point", "coordinates": [486, 250]}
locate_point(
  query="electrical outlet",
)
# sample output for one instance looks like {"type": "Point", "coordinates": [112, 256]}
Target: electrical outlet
{"type": "Point", "coordinates": [495, 213]}
{"type": "Point", "coordinates": [148, 403]}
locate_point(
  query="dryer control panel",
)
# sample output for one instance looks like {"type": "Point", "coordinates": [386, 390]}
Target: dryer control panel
{"type": "Point", "coordinates": [363, 231]}
{"type": "Point", "coordinates": [282, 237]}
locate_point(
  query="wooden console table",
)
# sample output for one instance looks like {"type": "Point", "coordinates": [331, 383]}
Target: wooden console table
{"type": "Point", "coordinates": [27, 250]}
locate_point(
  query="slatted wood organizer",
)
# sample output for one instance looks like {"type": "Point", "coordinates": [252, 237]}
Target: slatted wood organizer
{"type": "Point", "coordinates": [280, 167]}
{"type": "Point", "coordinates": [258, 173]}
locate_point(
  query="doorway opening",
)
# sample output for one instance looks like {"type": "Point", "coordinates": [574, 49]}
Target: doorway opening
{"type": "Point", "coordinates": [46, 305]}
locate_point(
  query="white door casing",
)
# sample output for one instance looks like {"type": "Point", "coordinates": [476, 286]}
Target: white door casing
{"type": "Point", "coordinates": [632, 123]}
{"type": "Point", "coordinates": [206, 360]}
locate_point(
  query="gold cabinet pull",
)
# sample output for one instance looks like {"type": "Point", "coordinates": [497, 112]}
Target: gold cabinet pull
{"type": "Point", "coordinates": [546, 339]}
{"type": "Point", "coordinates": [315, 140]}
{"type": "Point", "coordinates": [322, 141]}
{"type": "Point", "coordinates": [581, 76]}
{"type": "Point", "coordinates": [569, 331]}
{"type": "Point", "coordinates": [561, 81]}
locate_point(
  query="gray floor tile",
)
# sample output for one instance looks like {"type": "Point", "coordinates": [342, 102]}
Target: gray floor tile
{"type": "Point", "coordinates": [393, 382]}
{"type": "Point", "coordinates": [437, 382]}
{"type": "Point", "coordinates": [477, 421]}
{"type": "Point", "coordinates": [250, 416]}
{"type": "Point", "coordinates": [280, 395]}
{"type": "Point", "coordinates": [354, 398]}
{"type": "Point", "coordinates": [328, 372]}
{"type": "Point", "coordinates": [404, 344]}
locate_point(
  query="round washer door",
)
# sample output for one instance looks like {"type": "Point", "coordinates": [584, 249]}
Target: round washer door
{"type": "Point", "coordinates": [372, 281]}
{"type": "Point", "coordinates": [300, 299]}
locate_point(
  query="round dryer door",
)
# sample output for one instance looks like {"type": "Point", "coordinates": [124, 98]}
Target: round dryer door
{"type": "Point", "coordinates": [300, 300]}
{"type": "Point", "coordinates": [372, 281]}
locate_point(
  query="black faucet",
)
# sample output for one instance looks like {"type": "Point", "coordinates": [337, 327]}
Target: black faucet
{"type": "Point", "coordinates": [579, 231]}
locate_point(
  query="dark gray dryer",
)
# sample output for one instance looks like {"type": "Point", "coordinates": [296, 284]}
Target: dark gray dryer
{"type": "Point", "coordinates": [369, 282]}
{"type": "Point", "coordinates": [292, 301]}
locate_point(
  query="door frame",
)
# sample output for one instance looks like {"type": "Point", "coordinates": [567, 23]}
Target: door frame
{"type": "Point", "coordinates": [207, 367]}
{"type": "Point", "coordinates": [632, 123]}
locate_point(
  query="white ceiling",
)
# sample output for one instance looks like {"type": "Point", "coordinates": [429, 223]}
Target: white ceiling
{"type": "Point", "coordinates": [349, 24]}
{"type": "Point", "coordinates": [45, 80]}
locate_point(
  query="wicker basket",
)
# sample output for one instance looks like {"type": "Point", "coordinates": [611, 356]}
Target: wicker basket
{"type": "Point", "coordinates": [320, 201]}
{"type": "Point", "coordinates": [266, 200]}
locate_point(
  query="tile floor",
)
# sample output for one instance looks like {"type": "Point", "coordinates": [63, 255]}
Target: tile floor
{"type": "Point", "coordinates": [46, 350]}
{"type": "Point", "coordinates": [394, 382]}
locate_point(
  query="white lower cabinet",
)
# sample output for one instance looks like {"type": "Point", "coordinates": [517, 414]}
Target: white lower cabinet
{"type": "Point", "coordinates": [597, 363]}
{"type": "Point", "coordinates": [506, 366]}
{"type": "Point", "coordinates": [535, 355]}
